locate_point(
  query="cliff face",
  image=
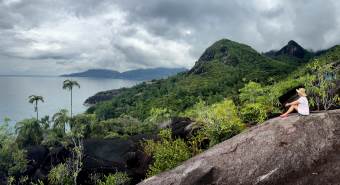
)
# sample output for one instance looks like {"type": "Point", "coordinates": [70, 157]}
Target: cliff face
{"type": "Point", "coordinates": [303, 150]}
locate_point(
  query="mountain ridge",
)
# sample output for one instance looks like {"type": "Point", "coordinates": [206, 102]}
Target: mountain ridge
{"type": "Point", "coordinates": [292, 53]}
{"type": "Point", "coordinates": [137, 74]}
{"type": "Point", "coordinates": [223, 68]}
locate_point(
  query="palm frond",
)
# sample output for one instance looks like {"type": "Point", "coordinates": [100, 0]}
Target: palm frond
{"type": "Point", "coordinates": [34, 98]}
{"type": "Point", "coordinates": [68, 84]}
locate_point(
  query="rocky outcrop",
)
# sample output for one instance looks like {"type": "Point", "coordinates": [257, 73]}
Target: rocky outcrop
{"type": "Point", "coordinates": [298, 150]}
{"type": "Point", "coordinates": [181, 127]}
{"type": "Point", "coordinates": [41, 160]}
{"type": "Point", "coordinates": [107, 156]}
{"type": "Point", "coordinates": [102, 156]}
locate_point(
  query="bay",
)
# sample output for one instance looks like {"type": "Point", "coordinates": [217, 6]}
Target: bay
{"type": "Point", "coordinates": [14, 92]}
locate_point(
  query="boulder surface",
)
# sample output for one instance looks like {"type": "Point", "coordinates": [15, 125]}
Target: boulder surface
{"type": "Point", "coordinates": [298, 150]}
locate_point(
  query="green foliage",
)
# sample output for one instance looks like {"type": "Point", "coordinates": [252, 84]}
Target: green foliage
{"type": "Point", "coordinates": [23, 180]}
{"type": "Point", "coordinates": [167, 153]}
{"type": "Point", "coordinates": [54, 137]}
{"type": "Point", "coordinates": [253, 113]}
{"type": "Point", "coordinates": [104, 111]}
{"type": "Point", "coordinates": [81, 123]}
{"type": "Point", "coordinates": [218, 122]}
{"type": "Point", "coordinates": [252, 92]}
{"type": "Point", "coordinates": [119, 178]}
{"type": "Point", "coordinates": [216, 75]}
{"type": "Point", "coordinates": [196, 110]}
{"type": "Point", "coordinates": [39, 182]}
{"type": "Point", "coordinates": [256, 101]}
{"type": "Point", "coordinates": [61, 119]}
{"type": "Point", "coordinates": [10, 180]}
{"type": "Point", "coordinates": [59, 175]}
{"type": "Point", "coordinates": [29, 132]}
{"type": "Point", "coordinates": [321, 83]}
{"type": "Point", "coordinates": [12, 158]}
{"type": "Point", "coordinates": [34, 99]}
{"type": "Point", "coordinates": [120, 127]}
{"type": "Point", "coordinates": [158, 115]}
{"type": "Point", "coordinates": [69, 84]}
{"type": "Point", "coordinates": [221, 122]}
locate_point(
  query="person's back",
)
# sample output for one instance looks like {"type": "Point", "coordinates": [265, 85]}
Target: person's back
{"type": "Point", "coordinates": [303, 107]}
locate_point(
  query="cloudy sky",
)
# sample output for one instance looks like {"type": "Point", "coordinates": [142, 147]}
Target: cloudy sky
{"type": "Point", "coordinates": [61, 36]}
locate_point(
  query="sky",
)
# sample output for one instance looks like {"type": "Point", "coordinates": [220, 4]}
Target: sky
{"type": "Point", "coordinates": [52, 37]}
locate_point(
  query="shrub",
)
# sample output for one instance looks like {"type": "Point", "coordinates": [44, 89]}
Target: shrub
{"type": "Point", "coordinates": [83, 122]}
{"type": "Point", "coordinates": [321, 84]}
{"type": "Point", "coordinates": [218, 122]}
{"type": "Point", "coordinates": [60, 175]}
{"type": "Point", "coordinates": [104, 110]}
{"type": "Point", "coordinates": [12, 158]}
{"type": "Point", "coordinates": [120, 127]}
{"type": "Point", "coordinates": [253, 113]}
{"type": "Point", "coordinates": [221, 122]}
{"type": "Point", "coordinates": [196, 110]}
{"type": "Point", "coordinates": [118, 178]}
{"type": "Point", "coordinates": [158, 115]}
{"type": "Point", "coordinates": [167, 153]}
{"type": "Point", "coordinates": [252, 92]}
{"type": "Point", "coordinates": [29, 132]}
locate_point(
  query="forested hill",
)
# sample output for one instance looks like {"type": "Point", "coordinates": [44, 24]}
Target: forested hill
{"type": "Point", "coordinates": [291, 53]}
{"type": "Point", "coordinates": [222, 69]}
{"type": "Point", "coordinates": [137, 74]}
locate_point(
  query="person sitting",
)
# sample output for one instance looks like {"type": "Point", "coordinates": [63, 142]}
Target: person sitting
{"type": "Point", "coordinates": [300, 105]}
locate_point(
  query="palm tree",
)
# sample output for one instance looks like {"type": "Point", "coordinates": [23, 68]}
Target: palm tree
{"type": "Point", "coordinates": [34, 99]}
{"type": "Point", "coordinates": [68, 84]}
{"type": "Point", "coordinates": [60, 119]}
{"type": "Point", "coordinates": [29, 132]}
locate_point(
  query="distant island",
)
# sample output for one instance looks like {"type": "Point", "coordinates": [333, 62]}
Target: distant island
{"type": "Point", "coordinates": [137, 74]}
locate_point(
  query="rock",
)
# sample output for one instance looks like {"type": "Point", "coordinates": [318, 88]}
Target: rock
{"type": "Point", "coordinates": [36, 156]}
{"type": "Point", "coordinates": [180, 126]}
{"type": "Point", "coordinates": [117, 154]}
{"type": "Point", "coordinates": [299, 150]}
{"type": "Point", "coordinates": [41, 160]}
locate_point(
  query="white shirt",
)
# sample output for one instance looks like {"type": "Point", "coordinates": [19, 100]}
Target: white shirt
{"type": "Point", "coordinates": [303, 107]}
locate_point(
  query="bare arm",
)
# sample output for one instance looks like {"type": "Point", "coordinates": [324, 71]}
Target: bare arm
{"type": "Point", "coordinates": [293, 103]}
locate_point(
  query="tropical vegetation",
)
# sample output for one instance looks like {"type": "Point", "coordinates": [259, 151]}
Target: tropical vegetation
{"type": "Point", "coordinates": [231, 87]}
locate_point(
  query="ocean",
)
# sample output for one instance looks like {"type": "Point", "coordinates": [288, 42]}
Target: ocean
{"type": "Point", "coordinates": [14, 92]}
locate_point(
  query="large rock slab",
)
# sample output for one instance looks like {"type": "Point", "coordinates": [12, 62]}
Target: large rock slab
{"type": "Point", "coordinates": [299, 150]}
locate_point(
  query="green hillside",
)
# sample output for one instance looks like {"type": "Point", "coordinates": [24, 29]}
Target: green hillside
{"type": "Point", "coordinates": [220, 72]}
{"type": "Point", "coordinates": [231, 88]}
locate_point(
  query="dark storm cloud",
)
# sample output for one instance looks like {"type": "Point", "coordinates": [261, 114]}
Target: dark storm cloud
{"type": "Point", "coordinates": [69, 35]}
{"type": "Point", "coordinates": [263, 24]}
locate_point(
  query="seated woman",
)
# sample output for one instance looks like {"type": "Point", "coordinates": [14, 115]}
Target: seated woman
{"type": "Point", "coordinates": [300, 105]}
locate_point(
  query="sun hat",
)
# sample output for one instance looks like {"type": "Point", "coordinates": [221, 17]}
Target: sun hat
{"type": "Point", "coordinates": [301, 91]}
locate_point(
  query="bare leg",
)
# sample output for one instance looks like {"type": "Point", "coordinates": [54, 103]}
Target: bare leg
{"type": "Point", "coordinates": [291, 109]}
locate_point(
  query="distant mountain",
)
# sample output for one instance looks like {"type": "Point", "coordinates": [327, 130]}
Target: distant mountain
{"type": "Point", "coordinates": [149, 74]}
{"type": "Point", "coordinates": [292, 49]}
{"type": "Point", "coordinates": [96, 73]}
{"type": "Point", "coordinates": [292, 52]}
{"type": "Point", "coordinates": [138, 74]}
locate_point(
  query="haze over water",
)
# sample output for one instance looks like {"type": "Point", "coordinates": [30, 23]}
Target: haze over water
{"type": "Point", "coordinates": [14, 92]}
